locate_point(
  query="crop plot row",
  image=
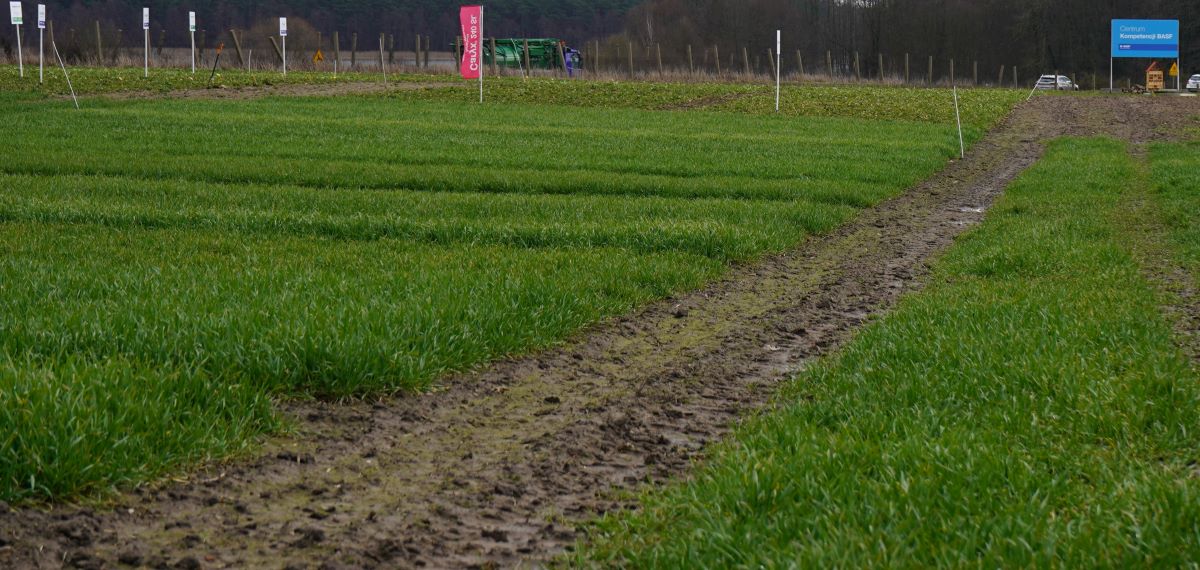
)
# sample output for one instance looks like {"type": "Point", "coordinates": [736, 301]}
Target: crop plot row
{"type": "Point", "coordinates": [981, 108]}
{"type": "Point", "coordinates": [169, 267]}
{"type": "Point", "coordinates": [1030, 408]}
{"type": "Point", "coordinates": [107, 80]}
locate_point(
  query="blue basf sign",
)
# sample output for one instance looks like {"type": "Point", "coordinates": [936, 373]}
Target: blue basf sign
{"type": "Point", "coordinates": [1145, 38]}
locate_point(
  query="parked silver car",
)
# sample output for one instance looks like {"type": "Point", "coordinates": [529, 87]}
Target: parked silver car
{"type": "Point", "coordinates": [1193, 84]}
{"type": "Point", "coordinates": [1064, 83]}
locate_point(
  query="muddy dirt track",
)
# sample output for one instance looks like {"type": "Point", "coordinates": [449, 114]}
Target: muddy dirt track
{"type": "Point", "coordinates": [499, 466]}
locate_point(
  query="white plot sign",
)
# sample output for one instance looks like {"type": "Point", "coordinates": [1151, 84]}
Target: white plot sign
{"type": "Point", "coordinates": [283, 38]}
{"type": "Point", "coordinates": [145, 18]}
{"type": "Point", "coordinates": [192, 34]}
{"type": "Point", "coordinates": [14, 10]}
{"type": "Point", "coordinates": [41, 23]}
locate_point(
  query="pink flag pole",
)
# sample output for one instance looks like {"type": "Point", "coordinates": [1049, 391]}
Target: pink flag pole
{"type": "Point", "coordinates": [471, 19]}
{"type": "Point", "coordinates": [480, 52]}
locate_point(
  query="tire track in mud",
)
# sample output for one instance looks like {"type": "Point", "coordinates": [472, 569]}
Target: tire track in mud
{"type": "Point", "coordinates": [499, 466]}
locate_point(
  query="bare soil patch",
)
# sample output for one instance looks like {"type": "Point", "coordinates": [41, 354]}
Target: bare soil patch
{"type": "Point", "coordinates": [296, 90]}
{"type": "Point", "coordinates": [500, 466]}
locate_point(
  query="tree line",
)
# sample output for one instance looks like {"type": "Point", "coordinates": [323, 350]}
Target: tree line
{"type": "Point", "coordinates": [1039, 36]}
{"type": "Point", "coordinates": [436, 19]}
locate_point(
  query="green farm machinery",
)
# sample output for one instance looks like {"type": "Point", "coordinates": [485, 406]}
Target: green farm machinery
{"type": "Point", "coordinates": [543, 53]}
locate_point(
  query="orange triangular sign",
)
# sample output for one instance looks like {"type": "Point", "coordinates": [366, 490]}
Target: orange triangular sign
{"type": "Point", "coordinates": [318, 57]}
{"type": "Point", "coordinates": [1153, 67]}
{"type": "Point", "coordinates": [1174, 70]}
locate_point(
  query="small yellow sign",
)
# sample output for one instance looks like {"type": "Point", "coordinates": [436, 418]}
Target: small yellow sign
{"type": "Point", "coordinates": [1174, 70]}
{"type": "Point", "coordinates": [318, 57]}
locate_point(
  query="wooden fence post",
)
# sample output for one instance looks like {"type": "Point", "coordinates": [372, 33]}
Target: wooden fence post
{"type": "Point", "coordinates": [630, 59]}
{"type": "Point", "coordinates": [746, 60]}
{"type": "Point", "coordinates": [930, 80]}
{"type": "Point", "coordinates": [116, 47]}
{"type": "Point", "coordinates": [717, 55]}
{"type": "Point", "coordinates": [800, 61]}
{"type": "Point", "coordinates": [99, 44]}
{"type": "Point", "coordinates": [857, 69]}
{"type": "Point", "coordinates": [1016, 84]}
{"type": "Point", "coordinates": [1000, 82]}
{"type": "Point", "coordinates": [691, 62]}
{"type": "Point", "coordinates": [337, 50]}
{"type": "Point", "coordinates": [952, 72]}
{"type": "Point", "coordinates": [275, 44]}
{"type": "Point", "coordinates": [391, 49]}
{"type": "Point", "coordinates": [881, 68]}
{"type": "Point", "coordinates": [829, 62]}
{"type": "Point", "coordinates": [907, 77]}
{"type": "Point", "coordinates": [416, 49]}
{"type": "Point", "coordinates": [353, 49]}
{"type": "Point", "coordinates": [975, 74]}
{"type": "Point", "coordinates": [425, 51]}
{"type": "Point", "coordinates": [237, 47]}
{"type": "Point", "coordinates": [658, 51]}
{"type": "Point", "coordinates": [458, 46]}
{"type": "Point", "coordinates": [495, 63]}
{"type": "Point", "coordinates": [771, 56]}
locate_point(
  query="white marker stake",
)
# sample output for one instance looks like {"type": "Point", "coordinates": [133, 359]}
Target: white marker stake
{"type": "Point", "coordinates": [283, 37]}
{"type": "Point", "coordinates": [382, 63]}
{"type": "Point", "coordinates": [192, 32]}
{"type": "Point", "coordinates": [1034, 90]}
{"type": "Point", "coordinates": [962, 147]}
{"type": "Point", "coordinates": [14, 11]}
{"type": "Point", "coordinates": [65, 74]}
{"type": "Point", "coordinates": [778, 63]}
{"type": "Point", "coordinates": [41, 22]}
{"type": "Point", "coordinates": [146, 33]}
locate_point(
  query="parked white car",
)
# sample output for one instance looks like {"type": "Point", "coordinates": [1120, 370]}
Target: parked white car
{"type": "Point", "coordinates": [1064, 83]}
{"type": "Point", "coordinates": [1193, 84]}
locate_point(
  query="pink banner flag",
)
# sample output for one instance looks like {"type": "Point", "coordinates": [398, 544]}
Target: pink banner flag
{"type": "Point", "coordinates": [472, 33]}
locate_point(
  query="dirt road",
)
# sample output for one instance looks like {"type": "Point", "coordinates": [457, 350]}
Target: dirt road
{"type": "Point", "coordinates": [499, 467]}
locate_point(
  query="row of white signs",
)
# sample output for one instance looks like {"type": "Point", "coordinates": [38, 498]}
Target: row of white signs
{"type": "Point", "coordinates": [14, 11]}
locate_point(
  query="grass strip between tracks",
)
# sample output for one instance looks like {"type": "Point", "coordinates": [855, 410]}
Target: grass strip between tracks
{"type": "Point", "coordinates": [1029, 408]}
